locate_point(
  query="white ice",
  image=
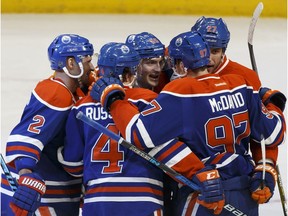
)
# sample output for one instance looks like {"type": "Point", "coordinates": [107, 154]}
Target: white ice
{"type": "Point", "coordinates": [25, 38]}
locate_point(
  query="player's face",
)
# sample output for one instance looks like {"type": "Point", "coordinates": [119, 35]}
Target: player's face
{"type": "Point", "coordinates": [148, 72]}
{"type": "Point", "coordinates": [216, 56]}
{"type": "Point", "coordinates": [88, 67]}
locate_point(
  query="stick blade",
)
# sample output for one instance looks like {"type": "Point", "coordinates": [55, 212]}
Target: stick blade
{"type": "Point", "coordinates": [256, 14]}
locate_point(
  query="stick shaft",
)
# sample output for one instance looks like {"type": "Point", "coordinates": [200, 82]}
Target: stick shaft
{"type": "Point", "coordinates": [252, 57]}
{"type": "Point", "coordinates": [281, 191]}
{"type": "Point", "coordinates": [11, 180]}
{"type": "Point", "coordinates": [136, 150]}
{"type": "Point", "coordinates": [263, 156]}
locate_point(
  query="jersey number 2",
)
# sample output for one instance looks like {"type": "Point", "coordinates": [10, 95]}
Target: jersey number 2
{"type": "Point", "coordinates": [37, 124]}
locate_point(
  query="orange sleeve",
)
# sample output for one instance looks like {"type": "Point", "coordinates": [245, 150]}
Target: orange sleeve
{"type": "Point", "coordinates": [271, 153]}
{"type": "Point", "coordinates": [122, 114]}
{"type": "Point", "coordinates": [140, 93]}
{"type": "Point", "coordinates": [184, 166]}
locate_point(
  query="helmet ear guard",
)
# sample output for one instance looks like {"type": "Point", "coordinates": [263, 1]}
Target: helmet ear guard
{"type": "Point", "coordinates": [191, 49]}
{"type": "Point", "coordinates": [69, 45]}
{"type": "Point", "coordinates": [215, 31]}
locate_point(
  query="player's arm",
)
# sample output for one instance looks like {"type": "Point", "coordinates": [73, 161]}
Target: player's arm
{"type": "Point", "coordinates": [268, 96]}
{"type": "Point", "coordinates": [135, 126]}
{"type": "Point", "coordinates": [266, 122]}
{"type": "Point", "coordinates": [263, 190]}
{"type": "Point", "coordinates": [39, 123]}
{"type": "Point", "coordinates": [31, 187]}
{"type": "Point", "coordinates": [271, 152]}
{"type": "Point", "coordinates": [71, 155]}
{"type": "Point", "coordinates": [179, 157]}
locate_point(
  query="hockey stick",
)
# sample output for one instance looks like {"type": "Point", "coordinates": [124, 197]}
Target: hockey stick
{"type": "Point", "coordinates": [12, 182]}
{"type": "Point", "coordinates": [281, 191]}
{"type": "Point", "coordinates": [263, 159]}
{"type": "Point", "coordinates": [253, 22]}
{"type": "Point", "coordinates": [136, 150]}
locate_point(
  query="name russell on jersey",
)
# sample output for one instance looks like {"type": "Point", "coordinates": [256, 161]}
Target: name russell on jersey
{"type": "Point", "coordinates": [225, 102]}
{"type": "Point", "coordinates": [97, 113]}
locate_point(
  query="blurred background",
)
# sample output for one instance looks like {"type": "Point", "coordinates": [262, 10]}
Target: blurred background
{"type": "Point", "coordinates": [29, 26]}
{"type": "Point", "coordinates": [273, 8]}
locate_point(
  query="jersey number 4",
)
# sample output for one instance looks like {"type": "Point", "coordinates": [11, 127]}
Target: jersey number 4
{"type": "Point", "coordinates": [108, 151]}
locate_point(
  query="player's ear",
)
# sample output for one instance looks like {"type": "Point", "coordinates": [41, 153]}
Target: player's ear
{"type": "Point", "coordinates": [181, 64]}
{"type": "Point", "coordinates": [70, 62]}
{"type": "Point", "coordinates": [223, 53]}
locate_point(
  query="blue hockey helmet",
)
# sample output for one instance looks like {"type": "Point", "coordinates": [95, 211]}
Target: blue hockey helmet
{"type": "Point", "coordinates": [114, 57]}
{"type": "Point", "coordinates": [191, 48]}
{"type": "Point", "coordinates": [146, 44]}
{"type": "Point", "coordinates": [214, 31]}
{"type": "Point", "coordinates": [68, 45]}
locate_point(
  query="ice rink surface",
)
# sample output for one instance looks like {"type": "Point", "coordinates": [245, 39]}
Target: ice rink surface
{"type": "Point", "coordinates": [25, 39]}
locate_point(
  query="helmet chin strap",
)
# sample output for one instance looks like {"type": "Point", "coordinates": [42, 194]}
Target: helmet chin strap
{"type": "Point", "coordinates": [128, 84]}
{"type": "Point", "coordinates": [176, 75]}
{"type": "Point", "coordinates": [74, 76]}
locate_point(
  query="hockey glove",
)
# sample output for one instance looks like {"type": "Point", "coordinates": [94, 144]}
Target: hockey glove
{"type": "Point", "coordinates": [106, 90]}
{"type": "Point", "coordinates": [276, 97]}
{"type": "Point", "coordinates": [211, 191]}
{"type": "Point", "coordinates": [26, 198]}
{"type": "Point", "coordinates": [261, 190]}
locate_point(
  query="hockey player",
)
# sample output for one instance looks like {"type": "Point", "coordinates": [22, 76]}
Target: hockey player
{"type": "Point", "coordinates": [214, 115]}
{"type": "Point", "coordinates": [217, 35]}
{"type": "Point", "coordinates": [117, 181]}
{"type": "Point", "coordinates": [151, 65]}
{"type": "Point", "coordinates": [33, 143]}
{"type": "Point", "coordinates": [151, 74]}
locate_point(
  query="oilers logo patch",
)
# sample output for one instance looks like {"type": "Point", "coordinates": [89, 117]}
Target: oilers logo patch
{"type": "Point", "coordinates": [179, 41]}
{"type": "Point", "coordinates": [66, 39]}
{"type": "Point", "coordinates": [125, 49]}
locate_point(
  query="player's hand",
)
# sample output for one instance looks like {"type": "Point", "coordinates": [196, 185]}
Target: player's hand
{"type": "Point", "coordinates": [27, 197]}
{"type": "Point", "coordinates": [211, 191]}
{"type": "Point", "coordinates": [262, 191]}
{"type": "Point", "coordinates": [276, 97]}
{"type": "Point", "coordinates": [106, 90]}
